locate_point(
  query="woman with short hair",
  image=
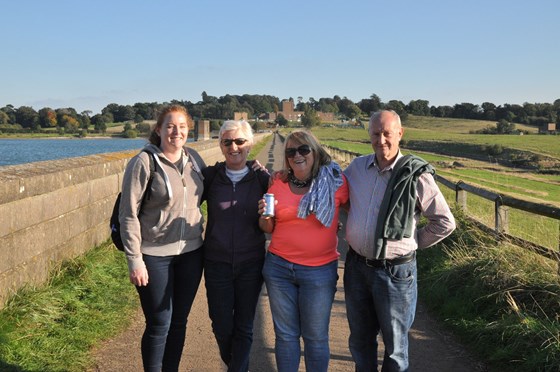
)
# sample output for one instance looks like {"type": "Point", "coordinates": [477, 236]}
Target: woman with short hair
{"type": "Point", "coordinates": [234, 245]}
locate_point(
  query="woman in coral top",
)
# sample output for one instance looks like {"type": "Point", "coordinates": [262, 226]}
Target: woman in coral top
{"type": "Point", "coordinates": [300, 269]}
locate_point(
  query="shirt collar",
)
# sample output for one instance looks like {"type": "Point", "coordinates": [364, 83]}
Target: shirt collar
{"type": "Point", "coordinates": [372, 162]}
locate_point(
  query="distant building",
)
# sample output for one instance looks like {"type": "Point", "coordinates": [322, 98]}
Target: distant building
{"type": "Point", "coordinates": [269, 116]}
{"type": "Point", "coordinates": [549, 128]}
{"type": "Point", "coordinates": [287, 111]}
{"type": "Point", "coordinates": [326, 116]}
{"type": "Point", "coordinates": [240, 116]}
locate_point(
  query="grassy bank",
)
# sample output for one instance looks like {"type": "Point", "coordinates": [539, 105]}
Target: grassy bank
{"type": "Point", "coordinates": [502, 301]}
{"type": "Point", "coordinates": [53, 327]}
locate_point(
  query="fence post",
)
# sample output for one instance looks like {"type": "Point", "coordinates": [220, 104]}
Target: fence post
{"type": "Point", "coordinates": [501, 216]}
{"type": "Point", "coordinates": [461, 199]}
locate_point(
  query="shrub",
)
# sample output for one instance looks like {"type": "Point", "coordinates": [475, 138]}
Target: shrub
{"type": "Point", "coordinates": [215, 125]}
{"type": "Point", "coordinates": [131, 133]}
{"type": "Point", "coordinates": [495, 149]}
{"type": "Point", "coordinates": [143, 128]}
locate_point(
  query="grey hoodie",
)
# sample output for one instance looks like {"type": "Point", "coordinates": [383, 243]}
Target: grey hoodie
{"type": "Point", "coordinates": [170, 222]}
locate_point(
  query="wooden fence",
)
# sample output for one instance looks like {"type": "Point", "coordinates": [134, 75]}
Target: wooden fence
{"type": "Point", "coordinates": [502, 203]}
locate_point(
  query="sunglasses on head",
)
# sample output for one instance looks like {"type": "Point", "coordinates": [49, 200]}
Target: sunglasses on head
{"type": "Point", "coordinates": [238, 141]}
{"type": "Point", "coordinates": [302, 150]}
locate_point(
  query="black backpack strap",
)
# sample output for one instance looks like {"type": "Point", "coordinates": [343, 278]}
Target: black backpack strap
{"type": "Point", "coordinates": [148, 191]}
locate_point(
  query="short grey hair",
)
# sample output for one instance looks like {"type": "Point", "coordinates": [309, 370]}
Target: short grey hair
{"type": "Point", "coordinates": [241, 125]}
{"type": "Point", "coordinates": [376, 115]}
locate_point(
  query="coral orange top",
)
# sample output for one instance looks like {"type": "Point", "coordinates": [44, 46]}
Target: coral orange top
{"type": "Point", "coordinates": [303, 241]}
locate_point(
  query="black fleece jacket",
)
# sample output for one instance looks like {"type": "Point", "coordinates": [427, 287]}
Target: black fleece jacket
{"type": "Point", "coordinates": [232, 232]}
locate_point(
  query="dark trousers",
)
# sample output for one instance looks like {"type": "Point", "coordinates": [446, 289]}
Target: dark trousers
{"type": "Point", "coordinates": [166, 301]}
{"type": "Point", "coordinates": [233, 293]}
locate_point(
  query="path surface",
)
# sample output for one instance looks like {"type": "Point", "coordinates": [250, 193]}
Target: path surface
{"type": "Point", "coordinates": [431, 348]}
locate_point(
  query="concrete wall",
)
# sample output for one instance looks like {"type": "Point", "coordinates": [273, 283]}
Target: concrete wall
{"type": "Point", "coordinates": [56, 210]}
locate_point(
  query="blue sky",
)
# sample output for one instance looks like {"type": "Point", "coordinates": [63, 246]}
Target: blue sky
{"type": "Point", "coordinates": [89, 53]}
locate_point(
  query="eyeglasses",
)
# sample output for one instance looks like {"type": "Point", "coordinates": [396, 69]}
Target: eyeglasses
{"type": "Point", "coordinates": [302, 150]}
{"type": "Point", "coordinates": [238, 141]}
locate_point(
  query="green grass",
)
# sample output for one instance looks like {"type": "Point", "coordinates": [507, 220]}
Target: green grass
{"type": "Point", "coordinates": [451, 125]}
{"type": "Point", "coordinates": [502, 301]}
{"type": "Point", "coordinates": [54, 326]}
{"type": "Point", "coordinates": [507, 183]}
{"type": "Point", "coordinates": [531, 227]}
{"type": "Point", "coordinates": [458, 131]}
{"type": "Point", "coordinates": [538, 144]}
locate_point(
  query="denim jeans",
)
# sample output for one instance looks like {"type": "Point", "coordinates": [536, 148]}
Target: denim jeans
{"type": "Point", "coordinates": [301, 299]}
{"type": "Point", "coordinates": [379, 299]}
{"type": "Point", "coordinates": [166, 301]}
{"type": "Point", "coordinates": [233, 293]}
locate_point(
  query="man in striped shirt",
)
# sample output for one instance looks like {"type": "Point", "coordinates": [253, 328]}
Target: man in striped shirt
{"type": "Point", "coordinates": [389, 193]}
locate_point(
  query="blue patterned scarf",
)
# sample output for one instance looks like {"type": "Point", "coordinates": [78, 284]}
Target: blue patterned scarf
{"type": "Point", "coordinates": [320, 197]}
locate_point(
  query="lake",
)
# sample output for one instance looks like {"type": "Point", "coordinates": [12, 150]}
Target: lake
{"type": "Point", "coordinates": [20, 151]}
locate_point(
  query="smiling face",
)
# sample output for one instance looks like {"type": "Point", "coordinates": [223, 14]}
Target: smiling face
{"type": "Point", "coordinates": [302, 165]}
{"type": "Point", "coordinates": [235, 153]}
{"type": "Point", "coordinates": [173, 131]}
{"type": "Point", "coordinates": [385, 134]}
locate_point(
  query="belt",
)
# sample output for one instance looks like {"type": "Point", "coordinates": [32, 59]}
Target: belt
{"type": "Point", "coordinates": [383, 263]}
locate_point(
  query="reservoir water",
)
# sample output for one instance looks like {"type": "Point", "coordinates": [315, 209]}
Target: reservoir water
{"type": "Point", "coordinates": [20, 151]}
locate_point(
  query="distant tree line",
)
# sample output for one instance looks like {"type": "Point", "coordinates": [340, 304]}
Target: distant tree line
{"type": "Point", "coordinates": [218, 108]}
{"type": "Point", "coordinates": [528, 113]}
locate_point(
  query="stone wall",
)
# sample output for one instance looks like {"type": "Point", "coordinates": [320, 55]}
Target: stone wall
{"type": "Point", "coordinates": [342, 157]}
{"type": "Point", "coordinates": [56, 210]}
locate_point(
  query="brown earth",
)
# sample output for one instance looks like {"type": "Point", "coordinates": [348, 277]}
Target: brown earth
{"type": "Point", "coordinates": [431, 347]}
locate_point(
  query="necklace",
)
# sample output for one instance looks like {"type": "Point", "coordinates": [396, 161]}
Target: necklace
{"type": "Point", "coordinates": [297, 183]}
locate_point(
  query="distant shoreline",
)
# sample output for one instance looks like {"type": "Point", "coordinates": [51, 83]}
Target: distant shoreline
{"type": "Point", "coordinates": [3, 136]}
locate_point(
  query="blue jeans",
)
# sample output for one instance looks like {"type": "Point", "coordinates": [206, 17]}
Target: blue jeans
{"type": "Point", "coordinates": [301, 299]}
{"type": "Point", "coordinates": [233, 293]}
{"type": "Point", "coordinates": [166, 301]}
{"type": "Point", "coordinates": [379, 299]}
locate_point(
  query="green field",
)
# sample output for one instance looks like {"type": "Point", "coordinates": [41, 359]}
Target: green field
{"type": "Point", "coordinates": [456, 125]}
